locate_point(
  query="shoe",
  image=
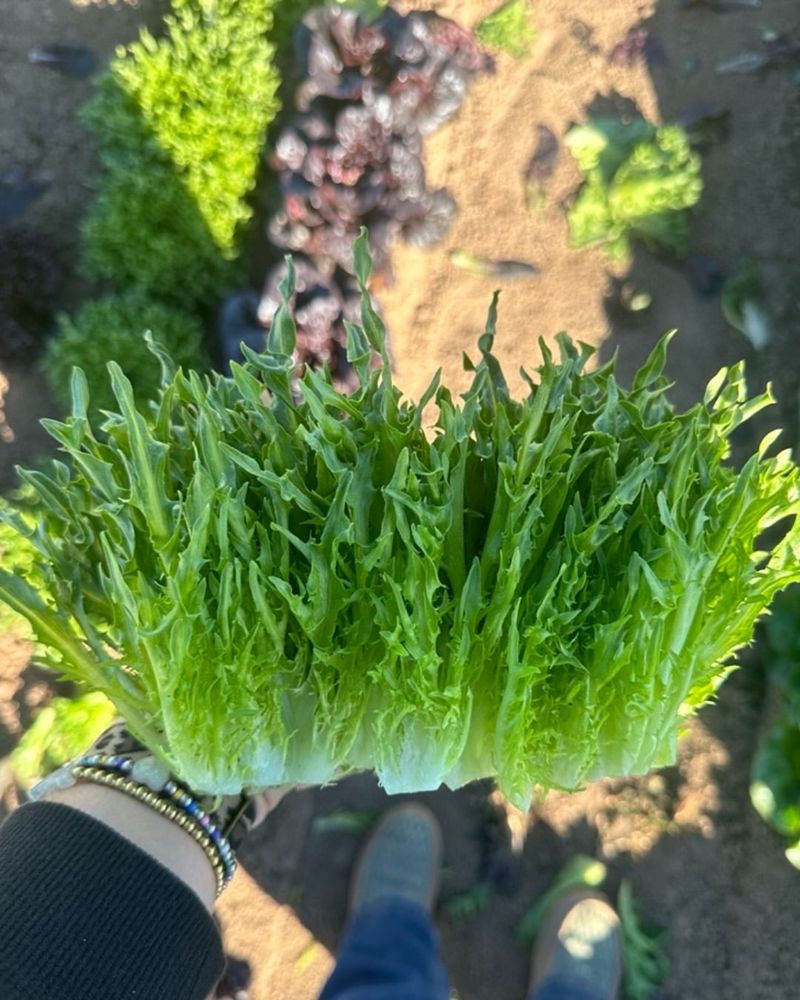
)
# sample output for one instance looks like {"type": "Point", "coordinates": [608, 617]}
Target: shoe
{"type": "Point", "coordinates": [403, 857]}
{"type": "Point", "coordinates": [580, 941]}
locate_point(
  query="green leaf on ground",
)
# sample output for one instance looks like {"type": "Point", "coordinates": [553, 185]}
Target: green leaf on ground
{"type": "Point", "coordinates": [646, 966]}
{"type": "Point", "coordinates": [345, 821]}
{"type": "Point", "coordinates": [581, 872]}
{"type": "Point", "coordinates": [468, 904]}
{"type": "Point", "coordinates": [62, 730]}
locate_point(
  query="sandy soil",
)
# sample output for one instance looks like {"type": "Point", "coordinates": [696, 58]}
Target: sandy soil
{"type": "Point", "coordinates": [701, 861]}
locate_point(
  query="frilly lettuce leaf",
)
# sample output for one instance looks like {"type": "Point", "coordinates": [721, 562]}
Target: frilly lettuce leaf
{"type": "Point", "coordinates": [279, 583]}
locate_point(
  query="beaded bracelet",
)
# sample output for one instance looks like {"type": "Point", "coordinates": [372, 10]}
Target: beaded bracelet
{"type": "Point", "coordinates": [98, 776]}
{"type": "Point", "coordinates": [149, 782]}
{"type": "Point", "coordinates": [172, 793]}
{"type": "Point", "coordinates": [169, 790]}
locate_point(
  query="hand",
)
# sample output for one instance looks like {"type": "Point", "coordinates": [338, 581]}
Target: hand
{"type": "Point", "coordinates": [252, 811]}
{"type": "Point", "coordinates": [265, 802]}
{"type": "Point", "coordinates": [236, 815]}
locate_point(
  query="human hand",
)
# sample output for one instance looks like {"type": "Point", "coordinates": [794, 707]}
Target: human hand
{"type": "Point", "coordinates": [254, 810]}
{"type": "Point", "coordinates": [234, 815]}
{"type": "Point", "coordinates": [139, 816]}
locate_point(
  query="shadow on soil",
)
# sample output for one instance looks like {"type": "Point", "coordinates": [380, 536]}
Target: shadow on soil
{"type": "Point", "coordinates": [701, 862]}
{"type": "Point", "coordinates": [732, 943]}
{"type": "Point", "coordinates": [750, 208]}
{"type": "Point", "coordinates": [298, 863]}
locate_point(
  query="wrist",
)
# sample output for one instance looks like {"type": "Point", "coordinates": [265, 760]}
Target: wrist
{"type": "Point", "coordinates": [165, 841]}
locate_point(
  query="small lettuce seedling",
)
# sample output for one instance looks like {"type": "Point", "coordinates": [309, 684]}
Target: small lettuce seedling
{"type": "Point", "coordinates": [640, 181]}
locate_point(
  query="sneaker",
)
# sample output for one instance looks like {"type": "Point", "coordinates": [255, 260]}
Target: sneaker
{"type": "Point", "coordinates": [403, 857]}
{"type": "Point", "coordinates": [580, 942]}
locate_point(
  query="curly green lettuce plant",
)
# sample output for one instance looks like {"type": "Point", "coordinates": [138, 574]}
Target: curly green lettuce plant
{"type": "Point", "coordinates": [640, 182]}
{"type": "Point", "coordinates": [114, 327]}
{"type": "Point", "coordinates": [180, 121]}
{"type": "Point", "coordinates": [276, 582]}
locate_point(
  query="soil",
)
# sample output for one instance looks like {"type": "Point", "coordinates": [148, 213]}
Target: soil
{"type": "Point", "coordinates": [701, 862]}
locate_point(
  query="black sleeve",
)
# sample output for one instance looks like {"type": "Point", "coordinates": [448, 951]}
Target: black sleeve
{"type": "Point", "coordinates": [87, 915]}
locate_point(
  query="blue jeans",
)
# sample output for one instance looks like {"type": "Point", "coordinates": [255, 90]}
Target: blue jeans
{"type": "Point", "coordinates": [391, 952]}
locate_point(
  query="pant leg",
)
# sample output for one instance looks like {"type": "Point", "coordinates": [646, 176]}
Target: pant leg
{"type": "Point", "coordinates": [390, 952]}
{"type": "Point", "coordinates": [565, 988]}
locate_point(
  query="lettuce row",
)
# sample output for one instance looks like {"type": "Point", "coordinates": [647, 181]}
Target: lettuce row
{"type": "Point", "coordinates": [179, 121]}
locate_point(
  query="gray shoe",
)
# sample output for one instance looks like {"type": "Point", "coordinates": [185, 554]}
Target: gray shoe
{"type": "Point", "coordinates": [403, 857]}
{"type": "Point", "coordinates": [580, 940]}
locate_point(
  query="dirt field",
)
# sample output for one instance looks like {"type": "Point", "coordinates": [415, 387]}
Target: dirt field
{"type": "Point", "coordinates": [701, 861]}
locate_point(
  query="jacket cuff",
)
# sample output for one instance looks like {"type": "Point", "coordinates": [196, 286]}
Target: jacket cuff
{"type": "Point", "coordinates": [87, 915]}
